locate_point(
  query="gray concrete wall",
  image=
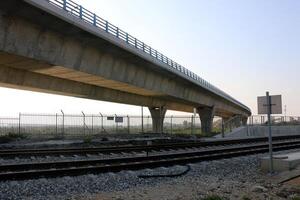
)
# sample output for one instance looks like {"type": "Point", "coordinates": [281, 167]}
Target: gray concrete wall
{"type": "Point", "coordinates": [260, 131]}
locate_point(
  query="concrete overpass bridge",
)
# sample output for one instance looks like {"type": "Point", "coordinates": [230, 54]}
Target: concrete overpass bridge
{"type": "Point", "coordinates": [57, 46]}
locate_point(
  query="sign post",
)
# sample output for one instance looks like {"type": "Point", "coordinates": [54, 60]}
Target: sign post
{"type": "Point", "coordinates": [270, 105]}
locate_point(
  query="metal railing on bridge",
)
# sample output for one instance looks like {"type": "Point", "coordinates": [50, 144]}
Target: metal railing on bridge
{"type": "Point", "coordinates": [89, 17]}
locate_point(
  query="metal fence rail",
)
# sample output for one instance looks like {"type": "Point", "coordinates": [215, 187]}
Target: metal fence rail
{"type": "Point", "coordinates": [89, 17]}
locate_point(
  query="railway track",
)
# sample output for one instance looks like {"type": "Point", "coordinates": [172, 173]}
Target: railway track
{"type": "Point", "coordinates": [11, 153]}
{"type": "Point", "coordinates": [79, 167]}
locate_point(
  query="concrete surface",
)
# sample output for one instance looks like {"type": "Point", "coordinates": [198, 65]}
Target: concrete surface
{"type": "Point", "coordinates": [282, 162]}
{"type": "Point", "coordinates": [262, 131]}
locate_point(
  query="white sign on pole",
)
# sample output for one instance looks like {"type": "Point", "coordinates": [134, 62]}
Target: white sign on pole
{"type": "Point", "coordinates": [276, 105]}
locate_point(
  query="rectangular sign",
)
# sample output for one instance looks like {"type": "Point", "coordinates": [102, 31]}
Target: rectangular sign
{"type": "Point", "coordinates": [276, 105]}
{"type": "Point", "coordinates": [110, 118]}
{"type": "Point", "coordinates": [119, 119]}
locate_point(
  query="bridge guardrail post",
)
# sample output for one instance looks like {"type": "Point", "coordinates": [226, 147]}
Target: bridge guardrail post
{"type": "Point", "coordinates": [95, 20]}
{"type": "Point", "coordinates": [65, 4]}
{"type": "Point", "coordinates": [80, 12]}
{"type": "Point", "coordinates": [106, 26]}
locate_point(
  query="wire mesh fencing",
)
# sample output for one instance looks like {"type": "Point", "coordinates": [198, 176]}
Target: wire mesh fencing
{"type": "Point", "coordinates": [61, 125]}
{"type": "Point", "coordinates": [275, 120]}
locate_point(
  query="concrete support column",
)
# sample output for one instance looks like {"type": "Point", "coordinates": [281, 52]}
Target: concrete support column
{"type": "Point", "coordinates": [244, 121]}
{"type": "Point", "coordinates": [206, 116]}
{"type": "Point", "coordinates": [157, 115]}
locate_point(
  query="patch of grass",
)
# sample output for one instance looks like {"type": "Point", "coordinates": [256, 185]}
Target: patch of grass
{"type": "Point", "coordinates": [213, 197]}
{"type": "Point", "coordinates": [295, 198]}
{"type": "Point", "coordinates": [246, 198]}
{"type": "Point", "coordinates": [10, 137]}
{"type": "Point", "coordinates": [87, 140]}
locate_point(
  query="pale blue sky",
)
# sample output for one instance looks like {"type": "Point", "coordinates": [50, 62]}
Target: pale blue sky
{"type": "Point", "coordinates": [244, 47]}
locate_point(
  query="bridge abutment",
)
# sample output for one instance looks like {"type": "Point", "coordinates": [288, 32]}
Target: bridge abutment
{"type": "Point", "coordinates": [206, 116]}
{"type": "Point", "coordinates": [157, 115]}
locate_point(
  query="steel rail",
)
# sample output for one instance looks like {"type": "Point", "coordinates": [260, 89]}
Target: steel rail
{"type": "Point", "coordinates": [57, 169]}
{"type": "Point", "coordinates": [137, 148]}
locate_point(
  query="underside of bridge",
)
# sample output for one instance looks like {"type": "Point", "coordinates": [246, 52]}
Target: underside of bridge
{"type": "Point", "coordinates": [41, 52]}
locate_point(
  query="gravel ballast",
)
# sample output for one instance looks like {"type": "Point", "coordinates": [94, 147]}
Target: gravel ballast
{"type": "Point", "coordinates": [234, 178]}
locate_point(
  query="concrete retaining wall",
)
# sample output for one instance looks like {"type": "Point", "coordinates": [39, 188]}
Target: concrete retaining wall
{"type": "Point", "coordinates": [260, 131]}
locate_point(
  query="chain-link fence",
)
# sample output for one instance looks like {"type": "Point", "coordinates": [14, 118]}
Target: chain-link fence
{"type": "Point", "coordinates": [60, 124]}
{"type": "Point", "coordinates": [276, 120]}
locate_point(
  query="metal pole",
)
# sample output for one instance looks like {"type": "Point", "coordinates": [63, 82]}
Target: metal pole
{"type": "Point", "coordinates": [223, 129]}
{"type": "Point", "coordinates": [102, 128]}
{"type": "Point", "coordinates": [19, 123]}
{"type": "Point", "coordinates": [192, 124]}
{"type": "Point", "coordinates": [270, 131]}
{"type": "Point", "coordinates": [194, 120]}
{"type": "Point", "coordinates": [142, 119]}
{"type": "Point", "coordinates": [171, 124]}
{"type": "Point", "coordinates": [83, 122]}
{"type": "Point", "coordinates": [63, 122]}
{"type": "Point", "coordinates": [128, 124]}
{"type": "Point", "coordinates": [56, 123]}
{"type": "Point", "coordinates": [92, 124]}
{"type": "Point", "coordinates": [116, 123]}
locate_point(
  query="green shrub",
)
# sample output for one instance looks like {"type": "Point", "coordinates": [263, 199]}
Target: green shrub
{"type": "Point", "coordinates": [87, 140]}
{"type": "Point", "coordinates": [11, 137]}
{"type": "Point", "coordinates": [213, 197]}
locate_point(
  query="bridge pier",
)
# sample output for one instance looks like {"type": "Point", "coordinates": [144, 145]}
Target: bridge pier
{"type": "Point", "coordinates": [206, 117]}
{"type": "Point", "coordinates": [157, 115]}
{"type": "Point", "coordinates": [244, 121]}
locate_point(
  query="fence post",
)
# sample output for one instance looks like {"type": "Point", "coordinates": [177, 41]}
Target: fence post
{"type": "Point", "coordinates": [92, 124]}
{"type": "Point", "coordinates": [128, 123]}
{"type": "Point", "coordinates": [56, 123]}
{"type": "Point", "coordinates": [192, 124]}
{"type": "Point", "coordinates": [142, 119]}
{"type": "Point", "coordinates": [223, 129]}
{"type": "Point", "coordinates": [171, 124]}
{"type": "Point", "coordinates": [83, 122]}
{"type": "Point", "coordinates": [116, 123]}
{"type": "Point", "coordinates": [63, 122]}
{"type": "Point", "coordinates": [102, 128]}
{"type": "Point", "coordinates": [19, 123]}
